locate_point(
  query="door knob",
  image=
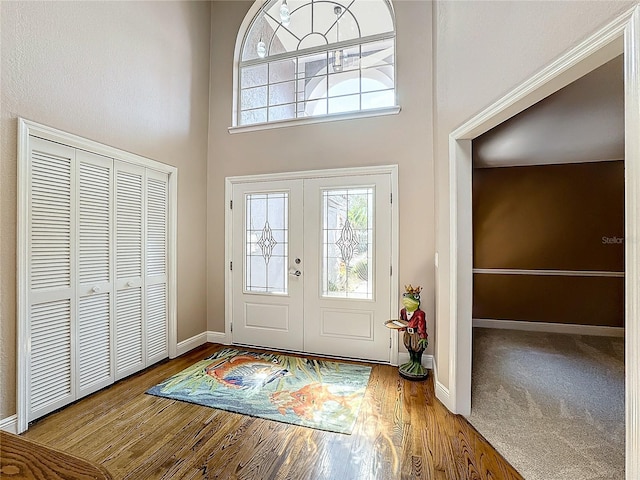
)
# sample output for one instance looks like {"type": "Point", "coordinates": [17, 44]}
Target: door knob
{"type": "Point", "coordinates": [294, 272]}
{"type": "Point", "coordinates": [129, 283]}
{"type": "Point", "coordinates": [95, 289]}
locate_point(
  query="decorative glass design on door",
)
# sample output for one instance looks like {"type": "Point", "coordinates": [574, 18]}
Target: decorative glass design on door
{"type": "Point", "coordinates": [267, 242]}
{"type": "Point", "coordinates": [347, 257]}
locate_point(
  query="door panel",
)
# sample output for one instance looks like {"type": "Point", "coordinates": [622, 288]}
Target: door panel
{"type": "Point", "coordinates": [157, 321]}
{"type": "Point", "coordinates": [95, 264]}
{"type": "Point", "coordinates": [51, 380]}
{"type": "Point", "coordinates": [260, 315]}
{"type": "Point", "coordinates": [95, 364]}
{"type": "Point", "coordinates": [129, 333]}
{"type": "Point", "coordinates": [267, 295]}
{"type": "Point", "coordinates": [356, 324]}
{"type": "Point", "coordinates": [51, 257]}
{"type": "Point", "coordinates": [348, 259]}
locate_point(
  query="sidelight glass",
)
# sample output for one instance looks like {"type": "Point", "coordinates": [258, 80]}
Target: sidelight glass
{"type": "Point", "coordinates": [266, 242]}
{"type": "Point", "coordinates": [347, 257]}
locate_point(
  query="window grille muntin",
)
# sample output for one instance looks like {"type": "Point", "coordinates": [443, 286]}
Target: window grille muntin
{"type": "Point", "coordinates": [348, 249]}
{"type": "Point", "coordinates": [266, 243]}
{"type": "Point", "coordinates": [263, 98]}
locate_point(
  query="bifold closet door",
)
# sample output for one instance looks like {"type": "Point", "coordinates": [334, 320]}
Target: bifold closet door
{"type": "Point", "coordinates": [95, 272]}
{"type": "Point", "coordinates": [51, 255]}
{"type": "Point", "coordinates": [130, 219]}
{"type": "Point", "coordinates": [155, 285]}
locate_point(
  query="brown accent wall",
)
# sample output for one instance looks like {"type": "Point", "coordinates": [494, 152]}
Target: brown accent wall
{"type": "Point", "coordinates": [550, 217]}
{"type": "Point", "coordinates": [534, 298]}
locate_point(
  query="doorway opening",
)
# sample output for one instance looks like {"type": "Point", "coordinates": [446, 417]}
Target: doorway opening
{"type": "Point", "coordinates": [620, 37]}
{"type": "Point", "coordinates": [548, 281]}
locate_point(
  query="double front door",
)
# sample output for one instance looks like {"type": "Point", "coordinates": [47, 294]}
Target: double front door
{"type": "Point", "coordinates": [311, 265]}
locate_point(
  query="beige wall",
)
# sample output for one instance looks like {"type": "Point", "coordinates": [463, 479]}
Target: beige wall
{"type": "Point", "coordinates": [134, 75]}
{"type": "Point", "coordinates": [404, 139]}
{"type": "Point", "coordinates": [482, 51]}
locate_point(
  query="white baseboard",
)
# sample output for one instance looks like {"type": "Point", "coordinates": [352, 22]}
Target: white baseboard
{"type": "Point", "coordinates": [550, 327]}
{"type": "Point", "coordinates": [442, 392]}
{"type": "Point", "coordinates": [427, 360]}
{"type": "Point", "coordinates": [191, 343]}
{"type": "Point", "coordinates": [200, 339]}
{"type": "Point", "coordinates": [217, 337]}
{"type": "Point", "coordinates": [9, 424]}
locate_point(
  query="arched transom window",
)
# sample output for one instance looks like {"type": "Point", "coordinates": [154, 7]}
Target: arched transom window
{"type": "Point", "coordinates": [307, 58]}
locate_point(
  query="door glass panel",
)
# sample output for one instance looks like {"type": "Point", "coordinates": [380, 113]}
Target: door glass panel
{"type": "Point", "coordinates": [267, 236]}
{"type": "Point", "coordinates": [347, 231]}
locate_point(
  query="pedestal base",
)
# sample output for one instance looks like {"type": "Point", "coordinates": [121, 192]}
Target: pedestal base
{"type": "Point", "coordinates": [413, 371]}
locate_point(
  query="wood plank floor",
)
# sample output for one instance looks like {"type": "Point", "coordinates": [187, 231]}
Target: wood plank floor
{"type": "Point", "coordinates": [402, 432]}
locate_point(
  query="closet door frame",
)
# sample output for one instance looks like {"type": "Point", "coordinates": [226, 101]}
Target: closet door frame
{"type": "Point", "coordinates": [26, 130]}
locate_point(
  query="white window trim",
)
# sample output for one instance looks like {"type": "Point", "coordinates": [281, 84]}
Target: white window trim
{"type": "Point", "coordinates": [235, 128]}
{"type": "Point", "coordinates": [316, 119]}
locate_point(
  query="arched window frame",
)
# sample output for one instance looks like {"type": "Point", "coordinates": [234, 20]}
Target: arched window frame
{"type": "Point", "coordinates": [253, 15]}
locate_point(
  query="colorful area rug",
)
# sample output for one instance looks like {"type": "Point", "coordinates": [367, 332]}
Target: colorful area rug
{"type": "Point", "coordinates": [312, 393]}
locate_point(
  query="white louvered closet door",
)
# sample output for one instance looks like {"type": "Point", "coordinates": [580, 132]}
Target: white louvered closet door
{"type": "Point", "coordinates": [95, 272]}
{"type": "Point", "coordinates": [95, 284]}
{"type": "Point", "coordinates": [51, 254]}
{"type": "Point", "coordinates": [130, 220]}
{"type": "Point", "coordinates": [156, 266]}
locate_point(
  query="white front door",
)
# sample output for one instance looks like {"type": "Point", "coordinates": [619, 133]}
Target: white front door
{"type": "Point", "coordinates": [311, 263]}
{"type": "Point", "coordinates": [267, 238]}
{"type": "Point", "coordinates": [347, 266]}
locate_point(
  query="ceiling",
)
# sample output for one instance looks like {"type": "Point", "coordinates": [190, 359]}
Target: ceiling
{"type": "Point", "coordinates": [582, 122]}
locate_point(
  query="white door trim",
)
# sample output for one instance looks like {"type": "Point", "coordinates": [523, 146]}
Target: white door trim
{"type": "Point", "coordinates": [621, 35]}
{"type": "Point", "coordinates": [391, 170]}
{"type": "Point", "coordinates": [27, 128]}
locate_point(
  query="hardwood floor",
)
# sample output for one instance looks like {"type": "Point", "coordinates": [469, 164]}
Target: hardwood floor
{"type": "Point", "coordinates": [402, 432]}
{"type": "Point", "coordinates": [23, 459]}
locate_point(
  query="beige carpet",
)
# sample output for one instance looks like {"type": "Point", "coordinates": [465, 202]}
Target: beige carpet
{"type": "Point", "coordinates": [552, 404]}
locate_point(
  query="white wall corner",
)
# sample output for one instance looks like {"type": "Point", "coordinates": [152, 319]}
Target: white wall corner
{"type": "Point", "coordinates": [632, 245]}
{"type": "Point", "coordinates": [218, 337]}
{"type": "Point", "coordinates": [9, 424]}
{"type": "Point", "coordinates": [442, 394]}
{"type": "Point", "coordinates": [191, 343]}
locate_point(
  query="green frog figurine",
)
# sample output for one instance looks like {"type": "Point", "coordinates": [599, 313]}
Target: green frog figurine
{"type": "Point", "coordinates": [415, 334]}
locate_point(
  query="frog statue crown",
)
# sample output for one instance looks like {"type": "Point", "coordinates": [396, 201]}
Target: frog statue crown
{"type": "Point", "coordinates": [412, 290]}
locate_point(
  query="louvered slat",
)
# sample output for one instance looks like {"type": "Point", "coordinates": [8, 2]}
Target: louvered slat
{"type": "Point", "coordinates": [128, 224]}
{"type": "Point", "coordinates": [128, 329]}
{"type": "Point", "coordinates": [94, 337]}
{"type": "Point", "coordinates": [157, 321]}
{"type": "Point", "coordinates": [50, 353]}
{"type": "Point", "coordinates": [94, 223]}
{"type": "Point", "coordinates": [156, 226]}
{"type": "Point", "coordinates": [50, 237]}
